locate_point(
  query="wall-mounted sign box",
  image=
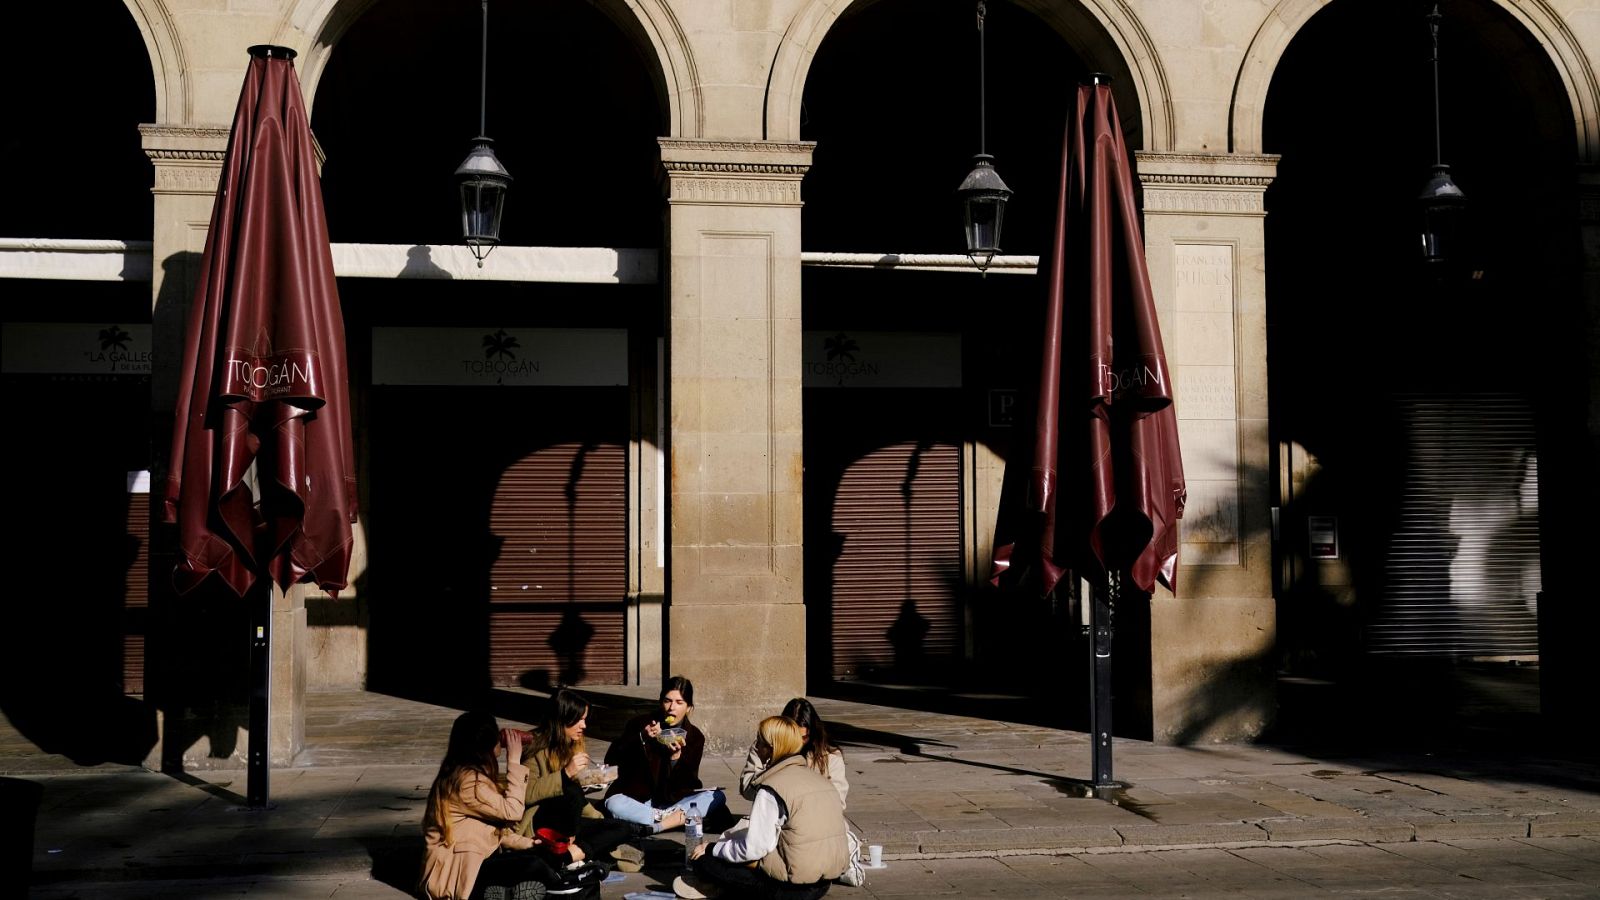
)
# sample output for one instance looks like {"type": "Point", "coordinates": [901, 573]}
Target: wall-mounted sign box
{"type": "Point", "coordinates": [507, 357]}
{"type": "Point", "coordinates": [1324, 536]}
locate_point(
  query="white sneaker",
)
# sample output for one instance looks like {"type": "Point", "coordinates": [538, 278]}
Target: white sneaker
{"type": "Point", "coordinates": [690, 887]}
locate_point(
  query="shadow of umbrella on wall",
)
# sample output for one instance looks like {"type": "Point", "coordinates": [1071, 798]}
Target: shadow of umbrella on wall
{"type": "Point", "coordinates": [261, 481]}
{"type": "Point", "coordinates": [1105, 487]}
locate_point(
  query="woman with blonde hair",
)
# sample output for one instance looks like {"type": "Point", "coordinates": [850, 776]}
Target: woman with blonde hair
{"type": "Point", "coordinates": [466, 825]}
{"type": "Point", "coordinates": [795, 845]}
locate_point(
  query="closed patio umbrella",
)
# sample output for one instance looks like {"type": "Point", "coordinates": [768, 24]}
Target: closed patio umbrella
{"type": "Point", "coordinates": [1103, 486]}
{"type": "Point", "coordinates": [261, 480]}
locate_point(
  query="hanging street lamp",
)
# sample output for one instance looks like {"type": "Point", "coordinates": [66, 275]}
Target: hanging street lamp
{"type": "Point", "coordinates": [1444, 205]}
{"type": "Point", "coordinates": [483, 180]}
{"type": "Point", "coordinates": [983, 195]}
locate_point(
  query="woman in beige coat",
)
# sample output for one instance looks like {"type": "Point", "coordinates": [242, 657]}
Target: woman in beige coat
{"type": "Point", "coordinates": [466, 827]}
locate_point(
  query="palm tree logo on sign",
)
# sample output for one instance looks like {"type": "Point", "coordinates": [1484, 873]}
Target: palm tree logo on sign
{"type": "Point", "coordinates": [502, 345]}
{"type": "Point", "coordinates": [841, 347]}
{"type": "Point", "coordinates": [114, 337]}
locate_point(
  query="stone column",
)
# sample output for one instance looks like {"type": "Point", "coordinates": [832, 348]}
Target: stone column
{"type": "Point", "coordinates": [188, 163]}
{"type": "Point", "coordinates": [736, 616]}
{"type": "Point", "coordinates": [1211, 646]}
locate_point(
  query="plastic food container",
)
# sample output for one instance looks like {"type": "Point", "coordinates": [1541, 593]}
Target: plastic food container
{"type": "Point", "coordinates": [671, 735]}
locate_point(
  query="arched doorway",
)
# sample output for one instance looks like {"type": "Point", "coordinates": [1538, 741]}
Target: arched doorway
{"type": "Point", "coordinates": [76, 369]}
{"type": "Point", "coordinates": [1416, 456]}
{"type": "Point", "coordinates": [898, 458]}
{"type": "Point", "coordinates": [498, 480]}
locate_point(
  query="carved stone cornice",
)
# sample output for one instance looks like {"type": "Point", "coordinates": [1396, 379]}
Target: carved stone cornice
{"type": "Point", "coordinates": [733, 191]}
{"type": "Point", "coordinates": [735, 173]}
{"type": "Point", "coordinates": [1203, 201]}
{"type": "Point", "coordinates": [187, 158]}
{"type": "Point", "coordinates": [1240, 180]}
{"type": "Point", "coordinates": [1238, 164]}
{"type": "Point", "coordinates": [674, 168]}
{"type": "Point", "coordinates": [183, 141]}
{"type": "Point", "coordinates": [1213, 184]}
{"type": "Point", "coordinates": [691, 146]}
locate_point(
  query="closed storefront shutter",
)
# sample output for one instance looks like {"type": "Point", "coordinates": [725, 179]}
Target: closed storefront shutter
{"type": "Point", "coordinates": [897, 579]}
{"type": "Point", "coordinates": [557, 585]}
{"type": "Point", "coordinates": [1463, 571]}
{"type": "Point", "coordinates": [82, 389]}
{"type": "Point", "coordinates": [499, 536]}
{"type": "Point", "coordinates": [136, 592]}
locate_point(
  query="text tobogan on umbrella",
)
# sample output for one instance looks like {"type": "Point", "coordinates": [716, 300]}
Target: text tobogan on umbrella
{"type": "Point", "coordinates": [261, 480]}
{"type": "Point", "coordinates": [1103, 486]}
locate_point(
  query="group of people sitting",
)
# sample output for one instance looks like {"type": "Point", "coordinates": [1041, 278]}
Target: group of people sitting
{"type": "Point", "coordinates": [516, 834]}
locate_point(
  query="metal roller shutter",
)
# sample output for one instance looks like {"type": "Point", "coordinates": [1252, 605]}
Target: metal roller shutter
{"type": "Point", "coordinates": [1463, 568]}
{"type": "Point", "coordinates": [557, 587]}
{"type": "Point", "coordinates": [498, 536]}
{"type": "Point", "coordinates": [897, 579]}
{"type": "Point", "coordinates": [136, 594]}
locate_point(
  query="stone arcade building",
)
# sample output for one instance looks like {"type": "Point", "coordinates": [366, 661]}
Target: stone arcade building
{"type": "Point", "coordinates": [728, 402]}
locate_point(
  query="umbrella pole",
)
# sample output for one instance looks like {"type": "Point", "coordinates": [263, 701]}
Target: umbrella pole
{"type": "Point", "coordinates": [1101, 608]}
{"type": "Point", "coordinates": [260, 688]}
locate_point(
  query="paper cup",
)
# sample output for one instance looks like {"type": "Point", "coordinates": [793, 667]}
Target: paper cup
{"type": "Point", "coordinates": [875, 855]}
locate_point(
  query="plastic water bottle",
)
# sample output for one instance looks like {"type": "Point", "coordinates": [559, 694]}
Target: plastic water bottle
{"type": "Point", "coordinates": [693, 833]}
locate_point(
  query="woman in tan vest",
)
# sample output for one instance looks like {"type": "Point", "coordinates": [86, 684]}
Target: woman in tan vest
{"type": "Point", "coordinates": [795, 844]}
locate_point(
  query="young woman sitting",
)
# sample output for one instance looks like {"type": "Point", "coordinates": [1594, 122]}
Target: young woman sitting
{"type": "Point", "coordinates": [819, 751]}
{"type": "Point", "coordinates": [658, 781]}
{"type": "Point", "coordinates": [470, 850]}
{"type": "Point", "coordinates": [554, 797]}
{"type": "Point", "coordinates": [795, 845]}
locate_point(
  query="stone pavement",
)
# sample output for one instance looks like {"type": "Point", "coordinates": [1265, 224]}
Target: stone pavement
{"type": "Point", "coordinates": [961, 805]}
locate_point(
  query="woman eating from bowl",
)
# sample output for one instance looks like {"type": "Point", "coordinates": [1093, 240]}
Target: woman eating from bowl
{"type": "Point", "coordinates": [554, 798]}
{"type": "Point", "coordinates": [657, 756]}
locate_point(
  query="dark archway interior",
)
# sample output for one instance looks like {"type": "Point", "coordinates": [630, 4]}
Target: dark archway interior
{"type": "Point", "coordinates": [575, 116]}
{"type": "Point", "coordinates": [73, 117]}
{"type": "Point", "coordinates": [1356, 321]}
{"type": "Point", "coordinates": [892, 102]}
{"type": "Point", "coordinates": [571, 108]}
{"type": "Point", "coordinates": [76, 171]}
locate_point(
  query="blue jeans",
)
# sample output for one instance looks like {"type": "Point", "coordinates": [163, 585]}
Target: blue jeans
{"type": "Point", "coordinates": [627, 809]}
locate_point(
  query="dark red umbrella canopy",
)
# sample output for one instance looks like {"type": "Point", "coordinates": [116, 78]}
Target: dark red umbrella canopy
{"type": "Point", "coordinates": [264, 377]}
{"type": "Point", "coordinates": [1105, 489]}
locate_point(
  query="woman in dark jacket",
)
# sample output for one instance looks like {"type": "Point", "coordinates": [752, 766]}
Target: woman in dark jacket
{"type": "Point", "coordinates": [656, 781]}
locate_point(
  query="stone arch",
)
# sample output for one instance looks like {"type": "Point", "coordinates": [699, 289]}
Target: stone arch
{"type": "Point", "coordinates": [174, 102]}
{"type": "Point", "coordinates": [314, 26]}
{"type": "Point", "coordinates": [1289, 16]}
{"type": "Point", "coordinates": [1104, 34]}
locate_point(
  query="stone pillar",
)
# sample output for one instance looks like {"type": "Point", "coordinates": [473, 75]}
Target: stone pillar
{"type": "Point", "coordinates": [1211, 646]}
{"type": "Point", "coordinates": [736, 615]}
{"type": "Point", "coordinates": [188, 164]}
